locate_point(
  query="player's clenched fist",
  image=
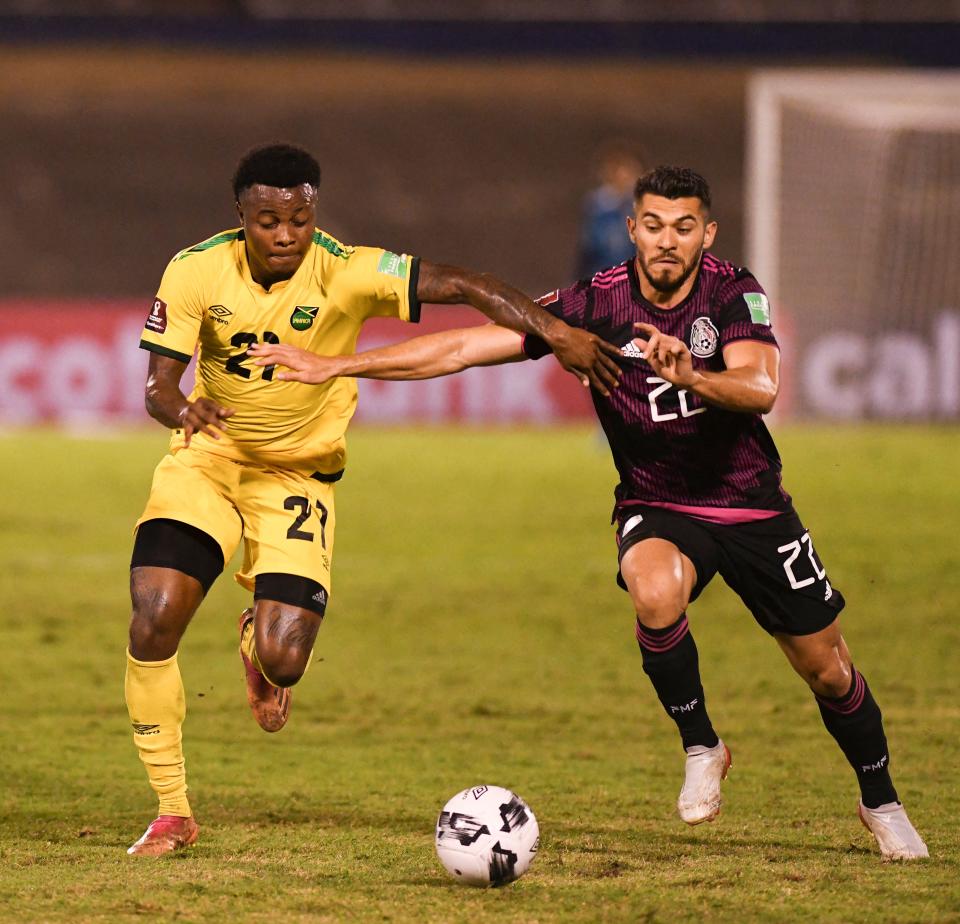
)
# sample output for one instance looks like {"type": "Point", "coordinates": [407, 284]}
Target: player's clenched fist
{"type": "Point", "coordinates": [668, 356]}
{"type": "Point", "coordinates": [203, 416]}
{"type": "Point", "coordinates": [299, 365]}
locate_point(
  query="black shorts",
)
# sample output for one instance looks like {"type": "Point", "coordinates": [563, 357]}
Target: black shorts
{"type": "Point", "coordinates": [770, 564]}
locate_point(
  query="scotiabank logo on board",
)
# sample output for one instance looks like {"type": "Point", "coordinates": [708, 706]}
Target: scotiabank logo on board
{"type": "Point", "coordinates": [80, 363]}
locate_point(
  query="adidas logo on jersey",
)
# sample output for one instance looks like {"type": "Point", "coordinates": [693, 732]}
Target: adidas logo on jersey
{"type": "Point", "coordinates": [632, 350]}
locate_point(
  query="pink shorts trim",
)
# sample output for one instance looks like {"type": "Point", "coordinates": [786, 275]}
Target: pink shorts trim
{"type": "Point", "coordinates": [721, 515]}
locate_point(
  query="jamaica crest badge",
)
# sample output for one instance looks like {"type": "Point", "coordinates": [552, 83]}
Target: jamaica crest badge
{"type": "Point", "coordinates": [303, 316]}
{"type": "Point", "coordinates": [704, 338]}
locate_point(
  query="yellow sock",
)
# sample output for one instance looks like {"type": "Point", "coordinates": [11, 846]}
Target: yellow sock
{"type": "Point", "coordinates": [249, 648]}
{"type": "Point", "coordinates": [155, 701]}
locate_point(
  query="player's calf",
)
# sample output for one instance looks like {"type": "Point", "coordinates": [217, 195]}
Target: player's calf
{"type": "Point", "coordinates": [856, 724]}
{"type": "Point", "coordinates": [284, 658]}
{"type": "Point", "coordinates": [671, 661]}
{"type": "Point", "coordinates": [276, 642]}
{"type": "Point", "coordinates": [284, 637]}
{"type": "Point", "coordinates": [269, 703]}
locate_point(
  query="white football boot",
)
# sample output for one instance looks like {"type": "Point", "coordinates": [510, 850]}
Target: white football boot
{"type": "Point", "coordinates": [897, 838]}
{"type": "Point", "coordinates": [699, 799]}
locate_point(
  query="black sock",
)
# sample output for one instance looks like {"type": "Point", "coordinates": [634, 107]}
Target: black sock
{"type": "Point", "coordinates": [855, 722]}
{"type": "Point", "coordinates": [670, 661]}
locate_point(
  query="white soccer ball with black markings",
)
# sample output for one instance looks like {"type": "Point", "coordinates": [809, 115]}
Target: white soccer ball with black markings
{"type": "Point", "coordinates": [487, 836]}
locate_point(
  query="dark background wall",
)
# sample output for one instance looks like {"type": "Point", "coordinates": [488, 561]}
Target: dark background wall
{"type": "Point", "coordinates": [125, 156]}
{"type": "Point", "coordinates": [463, 131]}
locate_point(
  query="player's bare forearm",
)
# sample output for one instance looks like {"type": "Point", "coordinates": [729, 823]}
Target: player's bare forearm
{"type": "Point", "coordinates": [424, 357]}
{"type": "Point", "coordinates": [747, 389]}
{"type": "Point", "coordinates": [166, 403]}
{"type": "Point", "coordinates": [588, 357]}
{"type": "Point", "coordinates": [503, 304]}
{"type": "Point", "coordinates": [162, 396]}
{"type": "Point", "coordinates": [749, 384]}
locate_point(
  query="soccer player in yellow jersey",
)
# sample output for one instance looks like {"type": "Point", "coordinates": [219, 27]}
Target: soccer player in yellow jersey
{"type": "Point", "coordinates": [255, 459]}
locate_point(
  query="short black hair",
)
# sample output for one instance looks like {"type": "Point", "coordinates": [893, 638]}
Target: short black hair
{"type": "Point", "coordinates": [673, 183]}
{"type": "Point", "coordinates": [280, 165]}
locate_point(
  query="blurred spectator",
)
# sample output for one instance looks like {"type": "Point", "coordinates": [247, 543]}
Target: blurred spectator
{"type": "Point", "coordinates": [603, 235]}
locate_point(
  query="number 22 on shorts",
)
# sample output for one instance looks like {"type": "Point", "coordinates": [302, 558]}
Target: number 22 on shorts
{"type": "Point", "coordinates": [795, 549]}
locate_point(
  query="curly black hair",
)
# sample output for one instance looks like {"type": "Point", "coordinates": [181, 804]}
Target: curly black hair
{"type": "Point", "coordinates": [673, 183]}
{"type": "Point", "coordinates": [280, 165]}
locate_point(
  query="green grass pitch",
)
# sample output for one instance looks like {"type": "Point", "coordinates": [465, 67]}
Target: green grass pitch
{"type": "Point", "coordinates": [475, 635]}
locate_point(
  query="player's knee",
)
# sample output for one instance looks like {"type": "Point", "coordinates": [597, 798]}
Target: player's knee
{"type": "Point", "coordinates": [161, 610]}
{"type": "Point", "coordinates": [285, 628]}
{"type": "Point", "coordinates": [283, 665]}
{"type": "Point", "coordinates": [658, 601]}
{"type": "Point", "coordinates": [155, 625]}
{"type": "Point", "coordinates": [830, 679]}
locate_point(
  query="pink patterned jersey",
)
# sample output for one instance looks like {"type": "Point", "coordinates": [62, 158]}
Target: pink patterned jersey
{"type": "Point", "coordinates": [671, 449]}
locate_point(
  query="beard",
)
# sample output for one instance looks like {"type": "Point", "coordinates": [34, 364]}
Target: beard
{"type": "Point", "coordinates": [669, 285]}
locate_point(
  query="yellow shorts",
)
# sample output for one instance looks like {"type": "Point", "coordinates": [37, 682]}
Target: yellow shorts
{"type": "Point", "coordinates": [284, 517]}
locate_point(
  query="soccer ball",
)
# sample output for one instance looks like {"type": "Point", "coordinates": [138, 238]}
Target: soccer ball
{"type": "Point", "coordinates": [487, 836]}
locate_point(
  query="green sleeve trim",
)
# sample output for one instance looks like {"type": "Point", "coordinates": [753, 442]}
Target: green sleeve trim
{"type": "Point", "coordinates": [330, 245]}
{"type": "Point", "coordinates": [164, 351]}
{"type": "Point", "coordinates": [224, 238]}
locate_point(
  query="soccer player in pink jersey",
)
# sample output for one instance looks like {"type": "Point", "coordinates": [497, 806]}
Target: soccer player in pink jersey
{"type": "Point", "coordinates": [700, 487]}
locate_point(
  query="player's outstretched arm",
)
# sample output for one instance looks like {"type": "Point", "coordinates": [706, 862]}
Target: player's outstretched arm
{"type": "Point", "coordinates": [168, 405]}
{"type": "Point", "coordinates": [424, 357]}
{"type": "Point", "coordinates": [589, 358]}
{"type": "Point", "coordinates": [749, 384]}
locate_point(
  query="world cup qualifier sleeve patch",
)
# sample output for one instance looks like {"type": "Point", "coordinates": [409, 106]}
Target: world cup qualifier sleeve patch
{"type": "Point", "coordinates": [759, 307]}
{"type": "Point", "coordinates": [392, 264]}
{"type": "Point", "coordinates": [157, 319]}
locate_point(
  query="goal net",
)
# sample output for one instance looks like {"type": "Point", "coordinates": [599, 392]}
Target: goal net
{"type": "Point", "coordinates": [853, 227]}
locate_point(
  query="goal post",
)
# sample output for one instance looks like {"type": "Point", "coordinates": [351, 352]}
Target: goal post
{"type": "Point", "coordinates": [853, 226]}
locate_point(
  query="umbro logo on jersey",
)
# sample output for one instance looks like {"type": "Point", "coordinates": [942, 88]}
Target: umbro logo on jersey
{"type": "Point", "coordinates": [145, 729]}
{"type": "Point", "coordinates": [632, 350]}
{"type": "Point", "coordinates": [219, 313]}
{"type": "Point", "coordinates": [303, 316]}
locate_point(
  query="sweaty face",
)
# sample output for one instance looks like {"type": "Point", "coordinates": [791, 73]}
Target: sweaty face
{"type": "Point", "coordinates": [278, 226]}
{"type": "Point", "coordinates": [670, 235]}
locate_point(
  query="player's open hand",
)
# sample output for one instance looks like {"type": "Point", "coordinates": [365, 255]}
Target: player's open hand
{"type": "Point", "coordinates": [669, 357]}
{"type": "Point", "coordinates": [298, 365]}
{"type": "Point", "coordinates": [204, 416]}
{"type": "Point", "coordinates": [588, 357]}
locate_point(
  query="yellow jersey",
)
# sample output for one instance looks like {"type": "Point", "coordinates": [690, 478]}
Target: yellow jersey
{"type": "Point", "coordinates": [208, 298]}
